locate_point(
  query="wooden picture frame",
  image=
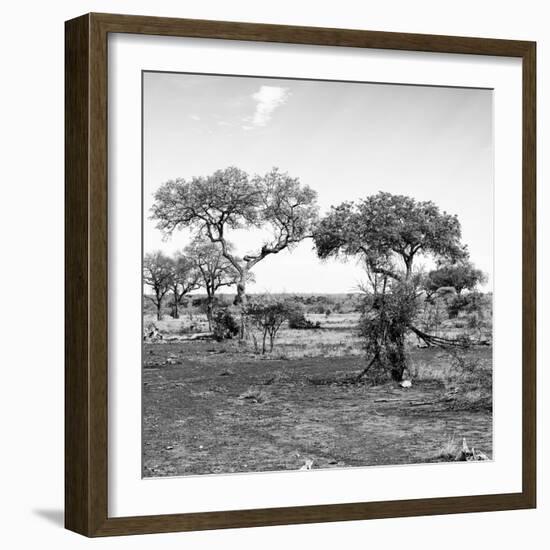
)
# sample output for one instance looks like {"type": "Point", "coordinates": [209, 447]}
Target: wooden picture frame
{"type": "Point", "coordinates": [86, 282]}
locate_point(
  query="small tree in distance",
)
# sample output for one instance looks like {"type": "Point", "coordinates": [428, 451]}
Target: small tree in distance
{"type": "Point", "coordinates": [157, 274]}
{"type": "Point", "coordinates": [184, 279]}
{"type": "Point", "coordinates": [268, 315]}
{"type": "Point", "coordinates": [460, 276]}
{"type": "Point", "coordinates": [213, 268]}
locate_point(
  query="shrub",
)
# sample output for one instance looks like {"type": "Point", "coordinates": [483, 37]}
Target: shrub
{"type": "Point", "coordinates": [456, 305]}
{"type": "Point", "coordinates": [468, 303]}
{"type": "Point", "coordinates": [383, 326]}
{"type": "Point", "coordinates": [151, 333]}
{"type": "Point", "coordinates": [225, 326]}
{"type": "Point", "coordinates": [268, 315]}
{"type": "Point", "coordinates": [197, 302]}
{"type": "Point", "coordinates": [297, 320]}
{"type": "Point", "coordinates": [448, 450]}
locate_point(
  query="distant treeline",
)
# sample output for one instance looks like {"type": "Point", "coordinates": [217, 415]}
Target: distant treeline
{"type": "Point", "coordinates": [312, 303]}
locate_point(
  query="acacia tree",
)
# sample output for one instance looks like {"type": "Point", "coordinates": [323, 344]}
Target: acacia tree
{"type": "Point", "coordinates": [229, 199]}
{"type": "Point", "coordinates": [213, 268]}
{"type": "Point", "coordinates": [183, 280]}
{"type": "Point", "coordinates": [157, 273]}
{"type": "Point", "coordinates": [460, 276]}
{"type": "Point", "coordinates": [388, 232]}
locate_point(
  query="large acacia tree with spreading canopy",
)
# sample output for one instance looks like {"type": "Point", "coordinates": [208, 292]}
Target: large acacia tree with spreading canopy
{"type": "Point", "coordinates": [388, 232]}
{"type": "Point", "coordinates": [213, 206]}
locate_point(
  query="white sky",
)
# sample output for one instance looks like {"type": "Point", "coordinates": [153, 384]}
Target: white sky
{"type": "Point", "coordinates": [345, 140]}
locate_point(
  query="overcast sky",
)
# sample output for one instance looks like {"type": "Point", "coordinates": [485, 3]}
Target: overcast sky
{"type": "Point", "coordinates": [345, 140]}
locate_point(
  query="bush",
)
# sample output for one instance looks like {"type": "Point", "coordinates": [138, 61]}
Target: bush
{"type": "Point", "coordinates": [472, 302]}
{"type": "Point", "coordinates": [383, 327]}
{"type": "Point", "coordinates": [225, 326]}
{"type": "Point", "coordinates": [456, 305]}
{"type": "Point", "coordinates": [151, 333]}
{"type": "Point", "coordinates": [297, 320]}
{"type": "Point", "coordinates": [268, 314]}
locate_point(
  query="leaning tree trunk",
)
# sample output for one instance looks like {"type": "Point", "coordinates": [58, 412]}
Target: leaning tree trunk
{"type": "Point", "coordinates": [175, 311]}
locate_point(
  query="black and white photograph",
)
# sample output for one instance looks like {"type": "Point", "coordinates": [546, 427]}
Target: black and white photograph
{"type": "Point", "coordinates": [317, 274]}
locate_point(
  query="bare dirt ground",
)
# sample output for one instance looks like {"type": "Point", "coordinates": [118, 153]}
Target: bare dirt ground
{"type": "Point", "coordinates": [217, 408]}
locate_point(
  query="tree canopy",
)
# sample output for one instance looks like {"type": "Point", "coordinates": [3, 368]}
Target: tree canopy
{"type": "Point", "coordinates": [460, 276]}
{"type": "Point", "coordinates": [229, 199]}
{"type": "Point", "coordinates": [385, 227]}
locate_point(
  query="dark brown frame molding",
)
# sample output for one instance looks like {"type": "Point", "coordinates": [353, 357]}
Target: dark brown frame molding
{"type": "Point", "coordinates": [86, 274]}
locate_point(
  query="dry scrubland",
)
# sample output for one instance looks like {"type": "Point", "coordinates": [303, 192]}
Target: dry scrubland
{"type": "Point", "coordinates": [218, 407]}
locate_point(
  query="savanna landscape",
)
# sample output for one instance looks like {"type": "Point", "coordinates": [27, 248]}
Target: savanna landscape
{"type": "Point", "coordinates": [317, 275]}
{"type": "Point", "coordinates": [314, 381]}
{"type": "Point", "coordinates": [214, 407]}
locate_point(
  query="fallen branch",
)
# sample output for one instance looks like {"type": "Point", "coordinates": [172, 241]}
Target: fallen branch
{"type": "Point", "coordinates": [439, 341]}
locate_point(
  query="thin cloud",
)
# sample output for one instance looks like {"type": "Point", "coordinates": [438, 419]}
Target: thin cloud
{"type": "Point", "coordinates": [195, 117]}
{"type": "Point", "coordinates": [267, 98]}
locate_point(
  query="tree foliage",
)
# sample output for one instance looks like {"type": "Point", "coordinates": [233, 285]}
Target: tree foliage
{"type": "Point", "coordinates": [460, 276]}
{"type": "Point", "coordinates": [229, 199]}
{"type": "Point", "coordinates": [384, 228]}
